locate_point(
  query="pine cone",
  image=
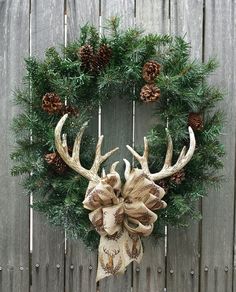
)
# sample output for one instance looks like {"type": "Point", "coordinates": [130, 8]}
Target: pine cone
{"type": "Point", "coordinates": [151, 70]}
{"type": "Point", "coordinates": [51, 103]}
{"type": "Point", "coordinates": [195, 121]}
{"type": "Point", "coordinates": [149, 93]}
{"type": "Point", "coordinates": [104, 55]}
{"type": "Point", "coordinates": [68, 109]}
{"type": "Point", "coordinates": [85, 53]}
{"type": "Point", "coordinates": [163, 184]}
{"type": "Point", "coordinates": [178, 177]}
{"type": "Point", "coordinates": [56, 161]}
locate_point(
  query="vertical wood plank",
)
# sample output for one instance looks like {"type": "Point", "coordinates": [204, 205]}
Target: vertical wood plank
{"type": "Point", "coordinates": [233, 33]}
{"type": "Point", "coordinates": [117, 111]}
{"type": "Point", "coordinates": [47, 29]}
{"type": "Point", "coordinates": [80, 13]}
{"type": "Point", "coordinates": [117, 126]}
{"type": "Point", "coordinates": [14, 210]}
{"type": "Point", "coordinates": [81, 263]}
{"type": "Point", "coordinates": [218, 208]}
{"type": "Point", "coordinates": [153, 16]}
{"type": "Point", "coordinates": [186, 17]}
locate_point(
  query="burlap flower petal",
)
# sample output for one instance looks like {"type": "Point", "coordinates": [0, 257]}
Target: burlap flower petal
{"type": "Point", "coordinates": [101, 195]}
{"type": "Point", "coordinates": [140, 212]}
{"type": "Point", "coordinates": [155, 203]}
{"type": "Point", "coordinates": [96, 218]}
{"type": "Point", "coordinates": [113, 218]}
{"type": "Point", "coordinates": [139, 187]}
{"type": "Point", "coordinates": [136, 227]}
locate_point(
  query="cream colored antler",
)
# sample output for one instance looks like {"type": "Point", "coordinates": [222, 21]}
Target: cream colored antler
{"type": "Point", "coordinates": [74, 160]}
{"type": "Point", "coordinates": [167, 169]}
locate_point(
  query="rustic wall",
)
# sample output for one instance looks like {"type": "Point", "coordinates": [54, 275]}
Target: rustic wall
{"type": "Point", "coordinates": [200, 259]}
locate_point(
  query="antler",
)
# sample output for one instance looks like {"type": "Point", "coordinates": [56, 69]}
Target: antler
{"type": "Point", "coordinates": [167, 169]}
{"type": "Point", "coordinates": [74, 160]}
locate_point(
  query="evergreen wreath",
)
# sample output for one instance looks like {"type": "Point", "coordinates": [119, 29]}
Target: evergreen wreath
{"type": "Point", "coordinates": [146, 68]}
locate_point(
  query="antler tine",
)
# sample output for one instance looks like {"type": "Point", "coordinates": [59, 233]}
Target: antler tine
{"type": "Point", "coordinates": [61, 144]}
{"type": "Point", "coordinates": [76, 147]}
{"type": "Point", "coordinates": [183, 159]}
{"type": "Point", "coordinates": [169, 152]}
{"type": "Point", "coordinates": [135, 154]}
{"type": "Point", "coordinates": [113, 166]}
{"type": "Point", "coordinates": [143, 160]}
{"type": "Point", "coordinates": [182, 154]}
{"type": "Point", "coordinates": [167, 169]}
{"type": "Point", "coordinates": [62, 149]}
{"type": "Point", "coordinates": [127, 168]}
{"type": "Point", "coordinates": [74, 161]}
{"type": "Point", "coordinates": [99, 158]}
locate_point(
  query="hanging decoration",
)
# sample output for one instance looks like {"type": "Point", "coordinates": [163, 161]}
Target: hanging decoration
{"type": "Point", "coordinates": [89, 72]}
{"type": "Point", "coordinates": [121, 215]}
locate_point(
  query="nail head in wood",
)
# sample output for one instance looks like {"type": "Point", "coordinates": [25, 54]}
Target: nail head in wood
{"type": "Point", "coordinates": [192, 272]}
{"type": "Point", "coordinates": [171, 272]}
{"type": "Point", "coordinates": [1, 268]}
{"type": "Point", "coordinates": [58, 266]}
{"type": "Point", "coordinates": [90, 267]}
{"type": "Point", "coordinates": [21, 268]}
{"type": "Point", "coordinates": [206, 269]}
{"type": "Point", "coordinates": [226, 269]}
{"type": "Point", "coordinates": [159, 270]}
{"type": "Point", "coordinates": [72, 267]}
{"type": "Point", "coordinates": [137, 269]}
{"type": "Point", "coordinates": [37, 266]}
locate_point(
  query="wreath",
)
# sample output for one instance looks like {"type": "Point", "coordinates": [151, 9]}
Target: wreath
{"type": "Point", "coordinates": [85, 75]}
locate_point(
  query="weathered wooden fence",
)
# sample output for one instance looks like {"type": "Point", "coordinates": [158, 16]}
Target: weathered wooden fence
{"type": "Point", "coordinates": [201, 259]}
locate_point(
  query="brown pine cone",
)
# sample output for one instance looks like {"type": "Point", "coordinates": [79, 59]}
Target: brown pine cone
{"type": "Point", "coordinates": [149, 93]}
{"type": "Point", "coordinates": [56, 161]}
{"type": "Point", "coordinates": [178, 177]}
{"type": "Point", "coordinates": [163, 184]}
{"type": "Point", "coordinates": [68, 109]}
{"type": "Point", "coordinates": [104, 55]}
{"type": "Point", "coordinates": [85, 53]}
{"type": "Point", "coordinates": [151, 70]}
{"type": "Point", "coordinates": [95, 64]}
{"type": "Point", "coordinates": [195, 121]}
{"type": "Point", "coordinates": [51, 103]}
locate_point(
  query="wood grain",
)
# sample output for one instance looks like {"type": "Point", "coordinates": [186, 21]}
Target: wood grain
{"type": "Point", "coordinates": [81, 263]}
{"type": "Point", "coordinates": [183, 245]}
{"type": "Point", "coordinates": [116, 123]}
{"type": "Point", "coordinates": [218, 208]}
{"type": "Point", "coordinates": [47, 29]}
{"type": "Point", "coordinates": [14, 202]}
{"type": "Point", "coordinates": [80, 13]}
{"type": "Point", "coordinates": [199, 259]}
{"type": "Point", "coordinates": [117, 126]}
{"type": "Point", "coordinates": [153, 16]}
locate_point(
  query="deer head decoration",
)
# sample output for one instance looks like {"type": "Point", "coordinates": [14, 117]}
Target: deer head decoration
{"type": "Point", "coordinates": [121, 215]}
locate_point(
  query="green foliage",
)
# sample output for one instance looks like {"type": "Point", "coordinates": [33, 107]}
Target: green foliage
{"type": "Point", "coordinates": [184, 89]}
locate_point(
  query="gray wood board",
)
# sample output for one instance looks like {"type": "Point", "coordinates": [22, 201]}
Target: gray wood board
{"type": "Point", "coordinates": [117, 126]}
{"type": "Point", "coordinates": [81, 263]}
{"type": "Point", "coordinates": [218, 208]}
{"type": "Point", "coordinates": [153, 16]}
{"type": "Point", "coordinates": [47, 30]}
{"type": "Point", "coordinates": [14, 202]}
{"type": "Point", "coordinates": [81, 266]}
{"type": "Point", "coordinates": [80, 13]}
{"type": "Point", "coordinates": [116, 119]}
{"type": "Point", "coordinates": [186, 18]}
